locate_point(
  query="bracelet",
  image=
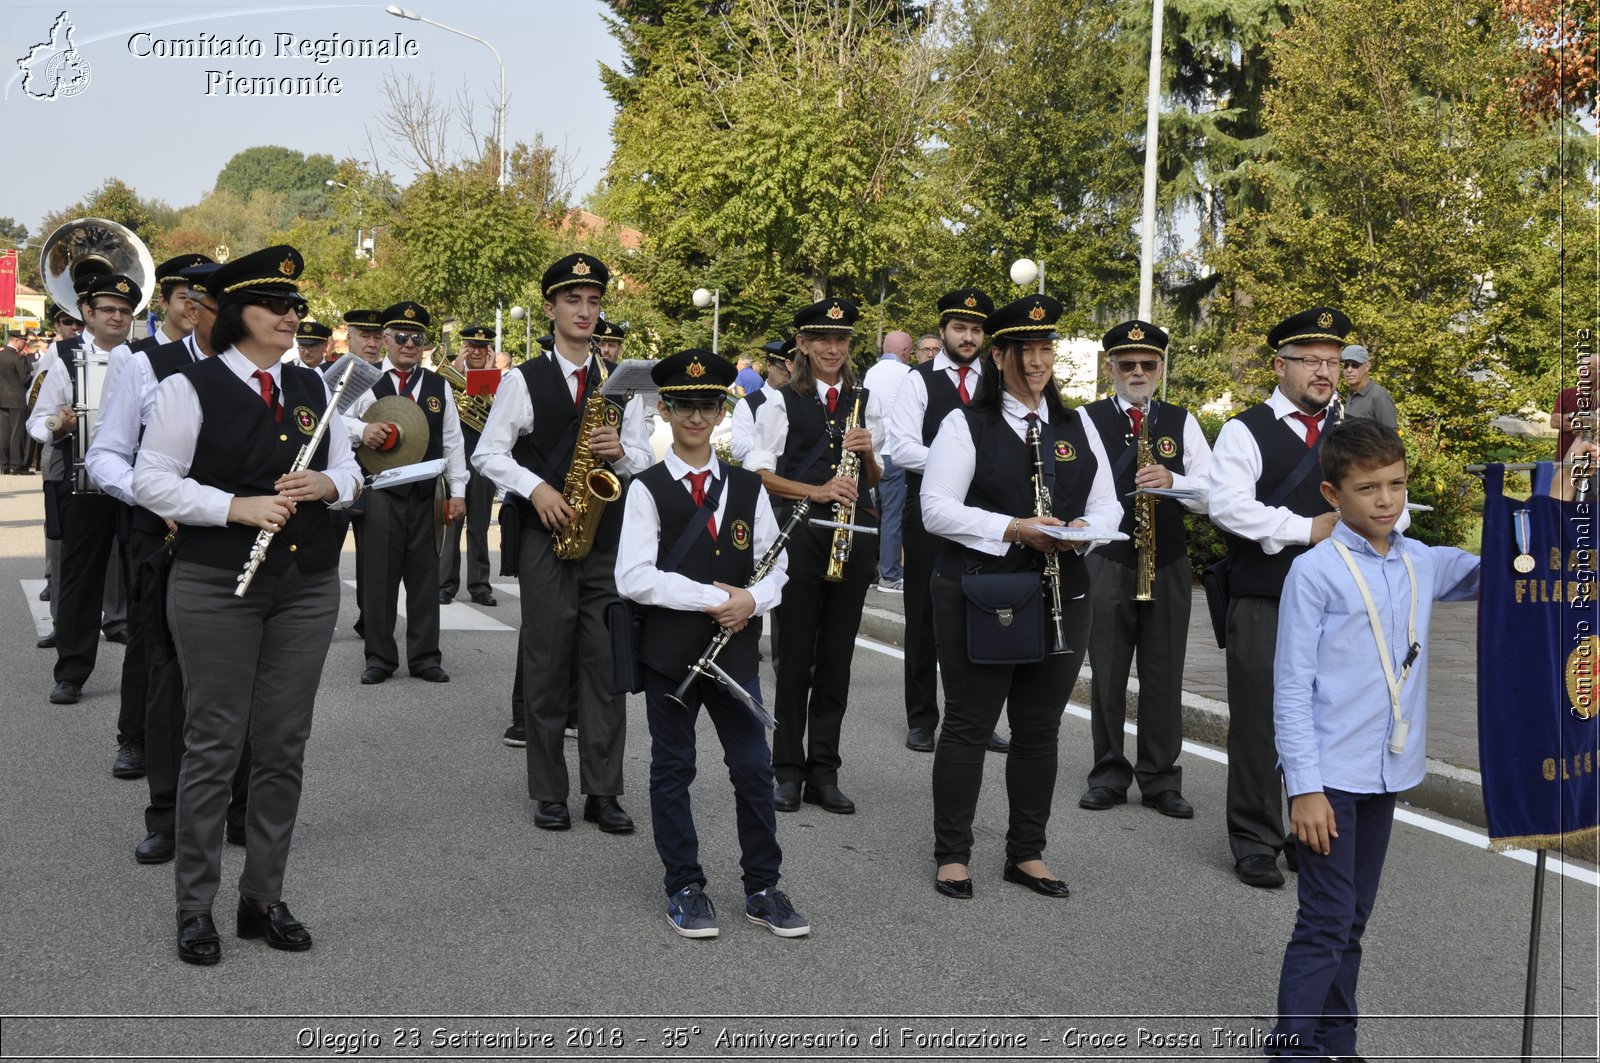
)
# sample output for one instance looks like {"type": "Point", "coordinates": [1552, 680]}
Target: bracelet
{"type": "Point", "coordinates": [1016, 529]}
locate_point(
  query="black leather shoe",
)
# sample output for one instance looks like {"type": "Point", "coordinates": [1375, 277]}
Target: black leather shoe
{"type": "Point", "coordinates": [830, 797]}
{"type": "Point", "coordinates": [1048, 887]}
{"type": "Point", "coordinates": [198, 942]}
{"type": "Point", "coordinates": [786, 797]}
{"type": "Point", "coordinates": [65, 693]}
{"type": "Point", "coordinates": [1100, 798]}
{"type": "Point", "coordinates": [44, 595]}
{"type": "Point", "coordinates": [1168, 803]}
{"type": "Point", "coordinates": [47, 642]}
{"type": "Point", "coordinates": [485, 598]}
{"type": "Point", "coordinates": [552, 815]}
{"type": "Point", "coordinates": [920, 739]}
{"type": "Point", "coordinates": [998, 744]}
{"type": "Point", "coordinates": [1260, 870]}
{"type": "Point", "coordinates": [432, 674]}
{"type": "Point", "coordinates": [359, 628]}
{"type": "Point", "coordinates": [282, 930]}
{"type": "Point", "coordinates": [606, 812]}
{"type": "Point", "coordinates": [446, 599]}
{"type": "Point", "coordinates": [373, 676]}
{"type": "Point", "coordinates": [130, 761]}
{"type": "Point", "coordinates": [117, 635]}
{"type": "Point", "coordinates": [157, 848]}
{"type": "Point", "coordinates": [959, 888]}
{"type": "Point", "coordinates": [234, 833]}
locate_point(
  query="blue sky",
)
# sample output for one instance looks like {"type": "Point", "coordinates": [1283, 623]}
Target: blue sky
{"type": "Point", "coordinates": [148, 118]}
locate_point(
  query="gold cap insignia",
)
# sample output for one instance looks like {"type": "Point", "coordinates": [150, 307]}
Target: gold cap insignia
{"type": "Point", "coordinates": [970, 300]}
{"type": "Point", "coordinates": [1136, 333]}
{"type": "Point", "coordinates": [122, 286]}
{"type": "Point", "coordinates": [305, 326]}
{"type": "Point", "coordinates": [286, 267]}
{"type": "Point", "coordinates": [410, 312]}
{"type": "Point", "coordinates": [695, 369]}
{"type": "Point", "coordinates": [1036, 314]}
{"type": "Point", "coordinates": [835, 312]}
{"type": "Point", "coordinates": [580, 268]}
{"type": "Point", "coordinates": [1324, 320]}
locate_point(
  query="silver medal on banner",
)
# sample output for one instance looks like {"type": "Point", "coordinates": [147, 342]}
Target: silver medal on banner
{"type": "Point", "coordinates": [1523, 562]}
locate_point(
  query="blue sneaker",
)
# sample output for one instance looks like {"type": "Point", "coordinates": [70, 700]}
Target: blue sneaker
{"type": "Point", "coordinates": [691, 915]}
{"type": "Point", "coordinates": [771, 908]}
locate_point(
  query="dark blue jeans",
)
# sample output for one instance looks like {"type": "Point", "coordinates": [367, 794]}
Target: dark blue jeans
{"type": "Point", "coordinates": [892, 504]}
{"type": "Point", "coordinates": [672, 769]}
{"type": "Point", "coordinates": [1317, 988]}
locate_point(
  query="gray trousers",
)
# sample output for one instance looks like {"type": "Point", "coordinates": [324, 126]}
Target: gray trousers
{"type": "Point", "coordinates": [1158, 632]}
{"type": "Point", "coordinates": [480, 500]}
{"type": "Point", "coordinates": [397, 545]}
{"type": "Point", "coordinates": [251, 668]}
{"type": "Point", "coordinates": [563, 620]}
{"type": "Point", "coordinates": [1255, 789]}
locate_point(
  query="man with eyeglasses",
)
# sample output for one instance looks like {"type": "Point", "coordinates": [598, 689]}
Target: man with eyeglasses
{"type": "Point", "coordinates": [398, 543]}
{"type": "Point", "coordinates": [1265, 483]}
{"type": "Point", "coordinates": [1156, 631]}
{"type": "Point", "coordinates": [929, 347]}
{"type": "Point", "coordinates": [311, 342]}
{"type": "Point", "coordinates": [364, 338]}
{"type": "Point", "coordinates": [172, 287]}
{"type": "Point", "coordinates": [1368, 398]}
{"type": "Point", "coordinates": [477, 353]}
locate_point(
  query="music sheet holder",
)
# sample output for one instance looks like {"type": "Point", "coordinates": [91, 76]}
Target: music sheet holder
{"type": "Point", "coordinates": [631, 379]}
{"type": "Point", "coordinates": [407, 474]}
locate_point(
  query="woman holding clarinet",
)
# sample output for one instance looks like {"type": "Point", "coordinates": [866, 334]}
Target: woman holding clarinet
{"type": "Point", "coordinates": [220, 459]}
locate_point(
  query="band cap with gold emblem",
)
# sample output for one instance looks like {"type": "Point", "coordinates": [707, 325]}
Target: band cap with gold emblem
{"type": "Point", "coordinates": [1323, 324]}
{"type": "Point", "coordinates": [971, 303]}
{"type": "Point", "coordinates": [1033, 317]}
{"type": "Point", "coordinates": [407, 314]}
{"type": "Point", "coordinates": [311, 332]}
{"type": "Point", "coordinates": [829, 315]}
{"type": "Point", "coordinates": [198, 275]}
{"type": "Point", "coordinates": [110, 285]}
{"type": "Point", "coordinates": [572, 271]}
{"type": "Point", "coordinates": [171, 271]}
{"type": "Point", "coordinates": [271, 271]}
{"type": "Point", "coordinates": [478, 334]}
{"type": "Point", "coordinates": [1135, 336]}
{"type": "Point", "coordinates": [364, 318]}
{"type": "Point", "coordinates": [608, 330]}
{"type": "Point", "coordinates": [695, 371]}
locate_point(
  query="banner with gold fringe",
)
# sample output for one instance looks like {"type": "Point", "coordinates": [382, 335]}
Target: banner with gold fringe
{"type": "Point", "coordinates": [1538, 660]}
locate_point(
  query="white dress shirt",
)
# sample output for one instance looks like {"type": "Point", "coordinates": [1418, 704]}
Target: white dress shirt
{"type": "Point", "coordinates": [882, 382]}
{"type": "Point", "coordinates": [952, 463]}
{"type": "Point", "coordinates": [638, 578]}
{"type": "Point", "coordinates": [1196, 454]}
{"type": "Point", "coordinates": [56, 391]}
{"type": "Point", "coordinates": [904, 424]}
{"type": "Point", "coordinates": [772, 427]}
{"type": "Point", "coordinates": [511, 418]}
{"type": "Point", "coordinates": [455, 445]}
{"type": "Point", "coordinates": [742, 430]}
{"type": "Point", "coordinates": [161, 481]}
{"type": "Point", "coordinates": [114, 440]}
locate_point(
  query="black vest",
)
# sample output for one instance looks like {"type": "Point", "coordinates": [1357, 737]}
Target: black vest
{"type": "Point", "coordinates": [242, 450]}
{"type": "Point", "coordinates": [547, 450]}
{"type": "Point", "coordinates": [146, 343]}
{"type": "Point", "coordinates": [1166, 443]}
{"type": "Point", "coordinates": [1254, 573]}
{"type": "Point", "coordinates": [67, 353]}
{"type": "Point", "coordinates": [430, 395]}
{"type": "Point", "coordinates": [942, 398]}
{"type": "Point", "coordinates": [1004, 484]}
{"type": "Point", "coordinates": [754, 400]}
{"type": "Point", "coordinates": [672, 639]}
{"type": "Point", "coordinates": [169, 358]}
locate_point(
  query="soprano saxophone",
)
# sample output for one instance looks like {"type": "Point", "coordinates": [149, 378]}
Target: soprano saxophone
{"type": "Point", "coordinates": [1144, 519]}
{"type": "Point", "coordinates": [844, 512]}
{"type": "Point", "coordinates": [1052, 563]}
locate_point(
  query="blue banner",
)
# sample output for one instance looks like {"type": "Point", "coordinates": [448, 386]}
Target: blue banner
{"type": "Point", "coordinates": [1538, 659]}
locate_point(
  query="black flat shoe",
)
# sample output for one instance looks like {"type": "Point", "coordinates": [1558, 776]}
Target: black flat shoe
{"type": "Point", "coordinates": [831, 798]}
{"type": "Point", "coordinates": [198, 942]}
{"type": "Point", "coordinates": [485, 599]}
{"type": "Point", "coordinates": [446, 599]}
{"type": "Point", "coordinates": [786, 797]}
{"type": "Point", "coordinates": [552, 815]}
{"type": "Point", "coordinates": [1100, 798]}
{"type": "Point", "coordinates": [47, 642]}
{"type": "Point", "coordinates": [282, 930]}
{"type": "Point", "coordinates": [1260, 870]}
{"type": "Point", "coordinates": [130, 761]}
{"type": "Point", "coordinates": [432, 674]}
{"type": "Point", "coordinates": [1168, 803]}
{"type": "Point", "coordinates": [608, 814]}
{"type": "Point", "coordinates": [65, 693]}
{"type": "Point", "coordinates": [998, 744]}
{"type": "Point", "coordinates": [1048, 887]}
{"type": "Point", "coordinates": [920, 740]}
{"type": "Point", "coordinates": [234, 833]}
{"type": "Point", "coordinates": [959, 888]}
{"type": "Point", "coordinates": [373, 676]}
{"type": "Point", "coordinates": [157, 848]}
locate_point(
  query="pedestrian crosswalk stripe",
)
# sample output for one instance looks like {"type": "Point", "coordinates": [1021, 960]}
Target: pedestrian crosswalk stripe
{"type": "Point", "coordinates": [40, 610]}
{"type": "Point", "coordinates": [457, 616]}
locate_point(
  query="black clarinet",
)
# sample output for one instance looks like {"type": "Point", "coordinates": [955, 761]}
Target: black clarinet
{"type": "Point", "coordinates": [1052, 563]}
{"type": "Point", "coordinates": [706, 664]}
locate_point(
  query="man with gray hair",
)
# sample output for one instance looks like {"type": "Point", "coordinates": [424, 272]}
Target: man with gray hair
{"type": "Point", "coordinates": [1367, 397]}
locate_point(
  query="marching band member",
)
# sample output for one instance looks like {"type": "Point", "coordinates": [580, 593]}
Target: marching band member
{"type": "Point", "coordinates": [800, 438]}
{"type": "Point", "coordinates": [608, 334]}
{"type": "Point", "coordinates": [364, 334]}
{"type": "Point", "coordinates": [217, 458]}
{"type": "Point", "coordinates": [172, 285]}
{"type": "Point", "coordinates": [990, 525]}
{"type": "Point", "coordinates": [398, 521]}
{"type": "Point", "coordinates": [477, 353]}
{"type": "Point", "coordinates": [528, 446]}
{"type": "Point", "coordinates": [311, 342]}
{"type": "Point", "coordinates": [1158, 629]}
{"type": "Point", "coordinates": [690, 588]}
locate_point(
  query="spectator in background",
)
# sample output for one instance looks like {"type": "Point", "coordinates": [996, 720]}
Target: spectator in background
{"type": "Point", "coordinates": [882, 383]}
{"type": "Point", "coordinates": [928, 347]}
{"type": "Point", "coordinates": [1367, 397]}
{"type": "Point", "coordinates": [778, 369]}
{"type": "Point", "coordinates": [14, 374]}
{"type": "Point", "coordinates": [1574, 413]}
{"type": "Point", "coordinates": [748, 382]}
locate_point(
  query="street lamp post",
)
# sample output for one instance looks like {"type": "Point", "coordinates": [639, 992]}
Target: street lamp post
{"type": "Point", "coordinates": [519, 313]}
{"type": "Point", "coordinates": [1024, 270]}
{"type": "Point", "coordinates": [704, 297]}
{"type": "Point", "coordinates": [361, 247]}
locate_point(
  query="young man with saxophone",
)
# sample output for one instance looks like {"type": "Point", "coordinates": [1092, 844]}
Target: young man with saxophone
{"type": "Point", "coordinates": [808, 434]}
{"type": "Point", "coordinates": [1150, 444]}
{"type": "Point", "coordinates": [549, 417]}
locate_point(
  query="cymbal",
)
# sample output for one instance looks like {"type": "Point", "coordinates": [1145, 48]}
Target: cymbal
{"type": "Point", "coordinates": [441, 513]}
{"type": "Point", "coordinates": [413, 428]}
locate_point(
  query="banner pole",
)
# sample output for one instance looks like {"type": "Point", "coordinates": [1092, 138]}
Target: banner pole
{"type": "Point", "coordinates": [1529, 1000]}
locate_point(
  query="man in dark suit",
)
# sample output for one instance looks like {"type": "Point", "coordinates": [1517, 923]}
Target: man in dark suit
{"type": "Point", "coordinates": [14, 405]}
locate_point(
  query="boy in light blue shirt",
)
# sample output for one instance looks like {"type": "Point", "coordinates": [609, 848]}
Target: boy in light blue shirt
{"type": "Point", "coordinates": [1350, 710]}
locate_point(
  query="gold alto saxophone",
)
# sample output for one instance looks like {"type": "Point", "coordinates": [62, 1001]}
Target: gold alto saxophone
{"type": "Point", "coordinates": [590, 484]}
{"type": "Point", "coordinates": [1144, 519]}
{"type": "Point", "coordinates": [844, 512]}
{"type": "Point", "coordinates": [1052, 563]}
{"type": "Point", "coordinates": [472, 409]}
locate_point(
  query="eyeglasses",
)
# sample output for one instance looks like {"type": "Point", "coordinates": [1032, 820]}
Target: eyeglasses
{"type": "Point", "coordinates": [1144, 366]}
{"type": "Point", "coordinates": [112, 309]}
{"type": "Point", "coordinates": [689, 407]}
{"type": "Point", "coordinates": [1312, 363]}
{"type": "Point", "coordinates": [408, 339]}
{"type": "Point", "coordinates": [281, 304]}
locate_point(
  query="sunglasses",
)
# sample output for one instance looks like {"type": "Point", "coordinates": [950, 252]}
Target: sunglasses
{"type": "Point", "coordinates": [281, 304]}
{"type": "Point", "coordinates": [1149, 365]}
{"type": "Point", "coordinates": [408, 339]}
{"type": "Point", "coordinates": [690, 407]}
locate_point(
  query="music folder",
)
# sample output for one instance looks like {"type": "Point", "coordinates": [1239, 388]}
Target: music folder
{"type": "Point", "coordinates": [483, 381]}
{"type": "Point", "coordinates": [631, 379]}
{"type": "Point", "coordinates": [408, 474]}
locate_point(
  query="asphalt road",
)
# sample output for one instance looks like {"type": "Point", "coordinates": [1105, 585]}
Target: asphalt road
{"type": "Point", "coordinates": [446, 925]}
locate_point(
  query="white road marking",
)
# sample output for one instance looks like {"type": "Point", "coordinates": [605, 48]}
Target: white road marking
{"type": "Point", "coordinates": [40, 610]}
{"type": "Point", "coordinates": [457, 616]}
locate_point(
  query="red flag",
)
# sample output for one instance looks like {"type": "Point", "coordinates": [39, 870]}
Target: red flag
{"type": "Point", "coordinates": [8, 283]}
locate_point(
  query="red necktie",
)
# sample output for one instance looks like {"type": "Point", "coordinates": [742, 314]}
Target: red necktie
{"type": "Point", "coordinates": [265, 380]}
{"type": "Point", "coordinates": [582, 377]}
{"type": "Point", "coordinates": [697, 490]}
{"type": "Point", "coordinates": [1135, 415]}
{"type": "Point", "coordinates": [404, 375]}
{"type": "Point", "coordinates": [833, 399]}
{"type": "Point", "coordinates": [1313, 423]}
{"type": "Point", "coordinates": [961, 383]}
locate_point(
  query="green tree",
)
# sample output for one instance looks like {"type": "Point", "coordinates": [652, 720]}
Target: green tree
{"type": "Point", "coordinates": [12, 233]}
{"type": "Point", "coordinates": [299, 178]}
